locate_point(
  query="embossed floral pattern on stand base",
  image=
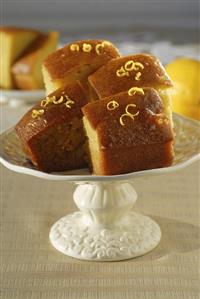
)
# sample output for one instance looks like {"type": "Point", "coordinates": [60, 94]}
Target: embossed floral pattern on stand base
{"type": "Point", "coordinates": [137, 235]}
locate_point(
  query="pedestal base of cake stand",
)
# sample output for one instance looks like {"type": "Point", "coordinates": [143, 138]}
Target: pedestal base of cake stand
{"type": "Point", "coordinates": [105, 228]}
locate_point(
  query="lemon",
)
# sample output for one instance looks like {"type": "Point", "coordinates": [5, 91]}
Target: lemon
{"type": "Point", "coordinates": [185, 75]}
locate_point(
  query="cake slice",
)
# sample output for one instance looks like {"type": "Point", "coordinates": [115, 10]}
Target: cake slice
{"type": "Point", "coordinates": [76, 61]}
{"type": "Point", "coordinates": [141, 70]}
{"type": "Point", "coordinates": [27, 71]}
{"type": "Point", "coordinates": [13, 41]}
{"type": "Point", "coordinates": [128, 132]}
{"type": "Point", "coordinates": [52, 134]}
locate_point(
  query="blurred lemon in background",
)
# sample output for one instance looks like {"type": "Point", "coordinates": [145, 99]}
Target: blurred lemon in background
{"type": "Point", "coordinates": [185, 75]}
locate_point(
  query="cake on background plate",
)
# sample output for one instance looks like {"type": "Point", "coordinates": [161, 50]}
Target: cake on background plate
{"type": "Point", "coordinates": [22, 52]}
{"type": "Point", "coordinates": [13, 41]}
{"type": "Point", "coordinates": [27, 70]}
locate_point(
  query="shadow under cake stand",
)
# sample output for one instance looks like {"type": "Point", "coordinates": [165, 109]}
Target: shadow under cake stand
{"type": "Point", "coordinates": [106, 228]}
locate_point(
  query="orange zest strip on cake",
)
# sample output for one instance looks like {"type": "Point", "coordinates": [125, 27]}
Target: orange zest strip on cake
{"type": "Point", "coordinates": [45, 102]}
{"type": "Point", "coordinates": [58, 101]}
{"type": "Point", "coordinates": [112, 105]}
{"type": "Point", "coordinates": [74, 47]}
{"type": "Point", "coordinates": [55, 101]}
{"type": "Point", "coordinates": [106, 43]}
{"type": "Point", "coordinates": [138, 76]}
{"type": "Point", "coordinates": [121, 72]}
{"type": "Point", "coordinates": [87, 47]}
{"type": "Point", "coordinates": [37, 113]}
{"type": "Point", "coordinates": [133, 90]}
{"type": "Point", "coordinates": [128, 114]}
{"type": "Point", "coordinates": [98, 48]}
{"type": "Point", "coordinates": [129, 66]}
{"type": "Point", "coordinates": [69, 102]}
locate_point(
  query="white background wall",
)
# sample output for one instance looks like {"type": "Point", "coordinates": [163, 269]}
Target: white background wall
{"type": "Point", "coordinates": [178, 19]}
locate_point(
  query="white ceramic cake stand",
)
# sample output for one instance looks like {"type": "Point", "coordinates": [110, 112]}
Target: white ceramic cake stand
{"type": "Point", "coordinates": [106, 228]}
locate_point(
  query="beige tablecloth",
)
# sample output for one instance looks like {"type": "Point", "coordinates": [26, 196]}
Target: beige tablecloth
{"type": "Point", "coordinates": [32, 268]}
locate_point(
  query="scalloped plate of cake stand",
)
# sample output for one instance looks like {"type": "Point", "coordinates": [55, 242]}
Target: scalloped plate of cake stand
{"type": "Point", "coordinates": [106, 228]}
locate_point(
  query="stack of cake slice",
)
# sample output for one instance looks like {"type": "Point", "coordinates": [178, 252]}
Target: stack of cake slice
{"type": "Point", "coordinates": [110, 112]}
{"type": "Point", "coordinates": [52, 132]}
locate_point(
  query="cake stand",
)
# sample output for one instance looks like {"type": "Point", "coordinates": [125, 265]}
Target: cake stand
{"type": "Point", "coordinates": [106, 228]}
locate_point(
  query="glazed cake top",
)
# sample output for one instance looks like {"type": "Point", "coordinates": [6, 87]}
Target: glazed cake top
{"type": "Point", "coordinates": [129, 118]}
{"type": "Point", "coordinates": [85, 52]}
{"type": "Point", "coordinates": [117, 75]}
{"type": "Point", "coordinates": [62, 105]}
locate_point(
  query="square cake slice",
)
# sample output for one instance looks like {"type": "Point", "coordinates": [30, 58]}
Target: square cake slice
{"type": "Point", "coordinates": [141, 70]}
{"type": "Point", "coordinates": [128, 132]}
{"type": "Point", "coordinates": [51, 133]}
{"type": "Point", "coordinates": [76, 61]}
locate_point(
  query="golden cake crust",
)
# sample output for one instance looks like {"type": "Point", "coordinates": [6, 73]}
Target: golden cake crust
{"type": "Point", "coordinates": [13, 42]}
{"type": "Point", "coordinates": [128, 132]}
{"type": "Point", "coordinates": [137, 158]}
{"type": "Point", "coordinates": [51, 133]}
{"type": "Point", "coordinates": [29, 126]}
{"type": "Point", "coordinates": [68, 59]}
{"type": "Point", "coordinates": [119, 127]}
{"type": "Point", "coordinates": [14, 30]}
{"type": "Point", "coordinates": [120, 74]}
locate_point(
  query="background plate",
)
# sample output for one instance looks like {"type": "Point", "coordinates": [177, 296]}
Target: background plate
{"type": "Point", "coordinates": [21, 96]}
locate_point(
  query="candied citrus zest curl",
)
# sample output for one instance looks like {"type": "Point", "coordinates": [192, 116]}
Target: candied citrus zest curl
{"type": "Point", "coordinates": [74, 47]}
{"type": "Point", "coordinates": [112, 105]}
{"type": "Point", "coordinates": [133, 90]}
